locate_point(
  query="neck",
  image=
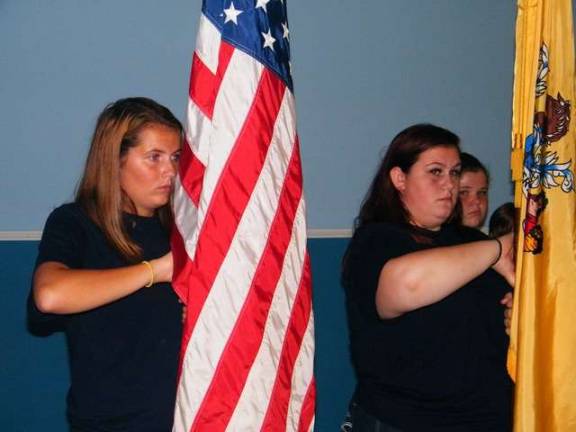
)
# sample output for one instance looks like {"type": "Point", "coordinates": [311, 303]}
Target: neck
{"type": "Point", "coordinates": [429, 228]}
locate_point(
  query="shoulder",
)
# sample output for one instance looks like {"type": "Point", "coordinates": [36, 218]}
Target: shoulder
{"type": "Point", "coordinates": [383, 230]}
{"type": "Point", "coordinates": [378, 242]}
{"type": "Point", "coordinates": [70, 212]}
{"type": "Point", "coordinates": [392, 238]}
{"type": "Point", "coordinates": [70, 216]}
{"type": "Point", "coordinates": [371, 247]}
{"type": "Point", "coordinates": [65, 233]}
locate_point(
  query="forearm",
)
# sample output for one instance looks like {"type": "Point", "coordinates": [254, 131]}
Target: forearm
{"type": "Point", "coordinates": [61, 290]}
{"type": "Point", "coordinates": [422, 278]}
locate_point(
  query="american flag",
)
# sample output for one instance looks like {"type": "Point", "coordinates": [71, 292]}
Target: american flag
{"type": "Point", "coordinates": [241, 264]}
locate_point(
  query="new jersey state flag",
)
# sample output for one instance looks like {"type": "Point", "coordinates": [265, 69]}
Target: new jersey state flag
{"type": "Point", "coordinates": [239, 245]}
{"type": "Point", "coordinates": [542, 356]}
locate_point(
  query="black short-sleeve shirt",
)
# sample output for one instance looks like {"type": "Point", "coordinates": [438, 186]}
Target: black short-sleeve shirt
{"type": "Point", "coordinates": [123, 355]}
{"type": "Point", "coordinates": [437, 368]}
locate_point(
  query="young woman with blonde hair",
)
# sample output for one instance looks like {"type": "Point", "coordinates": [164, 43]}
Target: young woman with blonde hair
{"type": "Point", "coordinates": [104, 269]}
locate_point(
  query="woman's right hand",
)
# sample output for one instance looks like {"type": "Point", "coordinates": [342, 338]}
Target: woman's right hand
{"type": "Point", "coordinates": [505, 264]}
{"type": "Point", "coordinates": [163, 268]}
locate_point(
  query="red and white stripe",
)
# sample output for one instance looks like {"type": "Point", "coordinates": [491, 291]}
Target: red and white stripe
{"type": "Point", "coordinates": [239, 246]}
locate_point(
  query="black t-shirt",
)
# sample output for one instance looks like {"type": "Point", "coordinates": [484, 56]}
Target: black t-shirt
{"type": "Point", "coordinates": [437, 368]}
{"type": "Point", "coordinates": [123, 355]}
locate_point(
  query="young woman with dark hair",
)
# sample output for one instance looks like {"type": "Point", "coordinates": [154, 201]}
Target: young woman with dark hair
{"type": "Point", "coordinates": [424, 298]}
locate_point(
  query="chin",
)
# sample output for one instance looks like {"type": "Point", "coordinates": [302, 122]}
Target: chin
{"type": "Point", "coordinates": [444, 216]}
{"type": "Point", "coordinates": [472, 223]}
{"type": "Point", "coordinates": [162, 201]}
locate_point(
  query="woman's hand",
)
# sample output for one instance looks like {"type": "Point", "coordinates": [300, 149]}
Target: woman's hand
{"type": "Point", "coordinates": [163, 268]}
{"type": "Point", "coordinates": [508, 301]}
{"type": "Point", "coordinates": [505, 264]}
{"type": "Point", "coordinates": [184, 312]}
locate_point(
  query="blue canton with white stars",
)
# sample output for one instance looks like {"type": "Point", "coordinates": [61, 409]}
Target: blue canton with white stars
{"type": "Point", "coordinates": [257, 27]}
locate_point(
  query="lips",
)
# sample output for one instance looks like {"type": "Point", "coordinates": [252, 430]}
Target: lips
{"type": "Point", "coordinates": [165, 188]}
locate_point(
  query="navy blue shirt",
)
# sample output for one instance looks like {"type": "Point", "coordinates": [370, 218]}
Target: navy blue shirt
{"type": "Point", "coordinates": [437, 368]}
{"type": "Point", "coordinates": [123, 355]}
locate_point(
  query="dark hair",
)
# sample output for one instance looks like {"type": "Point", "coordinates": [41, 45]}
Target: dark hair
{"type": "Point", "coordinates": [472, 164]}
{"type": "Point", "coordinates": [502, 220]}
{"type": "Point", "coordinates": [382, 203]}
{"type": "Point", "coordinates": [99, 193]}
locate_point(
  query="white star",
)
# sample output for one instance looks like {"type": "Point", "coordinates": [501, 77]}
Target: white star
{"type": "Point", "coordinates": [268, 40]}
{"type": "Point", "coordinates": [232, 14]}
{"type": "Point", "coordinates": [286, 31]}
{"type": "Point", "coordinates": [262, 4]}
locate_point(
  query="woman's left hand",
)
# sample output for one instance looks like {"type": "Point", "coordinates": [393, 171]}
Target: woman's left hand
{"type": "Point", "coordinates": [163, 268]}
{"type": "Point", "coordinates": [508, 301]}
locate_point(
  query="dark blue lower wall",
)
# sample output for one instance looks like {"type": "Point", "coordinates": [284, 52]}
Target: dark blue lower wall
{"type": "Point", "coordinates": [34, 371]}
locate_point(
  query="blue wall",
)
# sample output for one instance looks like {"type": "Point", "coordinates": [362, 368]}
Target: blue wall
{"type": "Point", "coordinates": [363, 70]}
{"type": "Point", "coordinates": [34, 372]}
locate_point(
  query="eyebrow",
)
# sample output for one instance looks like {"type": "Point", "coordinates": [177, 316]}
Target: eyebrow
{"type": "Point", "coordinates": [458, 165]}
{"type": "Point", "coordinates": [466, 187]}
{"type": "Point", "coordinates": [162, 151]}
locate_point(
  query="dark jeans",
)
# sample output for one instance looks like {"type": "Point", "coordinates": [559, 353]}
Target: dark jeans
{"type": "Point", "coordinates": [359, 420]}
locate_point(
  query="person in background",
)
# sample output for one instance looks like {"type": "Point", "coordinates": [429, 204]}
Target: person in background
{"type": "Point", "coordinates": [502, 220]}
{"type": "Point", "coordinates": [474, 184]}
{"type": "Point", "coordinates": [423, 297]}
{"type": "Point", "coordinates": [104, 269]}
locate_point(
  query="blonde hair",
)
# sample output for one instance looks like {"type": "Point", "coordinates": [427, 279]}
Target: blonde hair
{"type": "Point", "coordinates": [99, 192]}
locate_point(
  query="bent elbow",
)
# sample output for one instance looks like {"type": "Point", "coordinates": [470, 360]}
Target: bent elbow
{"type": "Point", "coordinates": [48, 283]}
{"type": "Point", "coordinates": [391, 305]}
{"type": "Point", "coordinates": [45, 299]}
{"type": "Point", "coordinates": [395, 291]}
{"type": "Point", "coordinates": [386, 312]}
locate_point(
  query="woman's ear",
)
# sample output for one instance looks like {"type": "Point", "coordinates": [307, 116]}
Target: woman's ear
{"type": "Point", "coordinates": [398, 178]}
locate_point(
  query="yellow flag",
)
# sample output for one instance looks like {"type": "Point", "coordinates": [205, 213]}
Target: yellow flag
{"type": "Point", "coordinates": [542, 355]}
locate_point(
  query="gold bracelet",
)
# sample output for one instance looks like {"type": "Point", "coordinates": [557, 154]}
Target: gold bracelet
{"type": "Point", "coordinates": [151, 269]}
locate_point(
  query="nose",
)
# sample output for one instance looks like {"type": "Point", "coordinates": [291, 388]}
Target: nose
{"type": "Point", "coordinates": [451, 183]}
{"type": "Point", "coordinates": [170, 168]}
